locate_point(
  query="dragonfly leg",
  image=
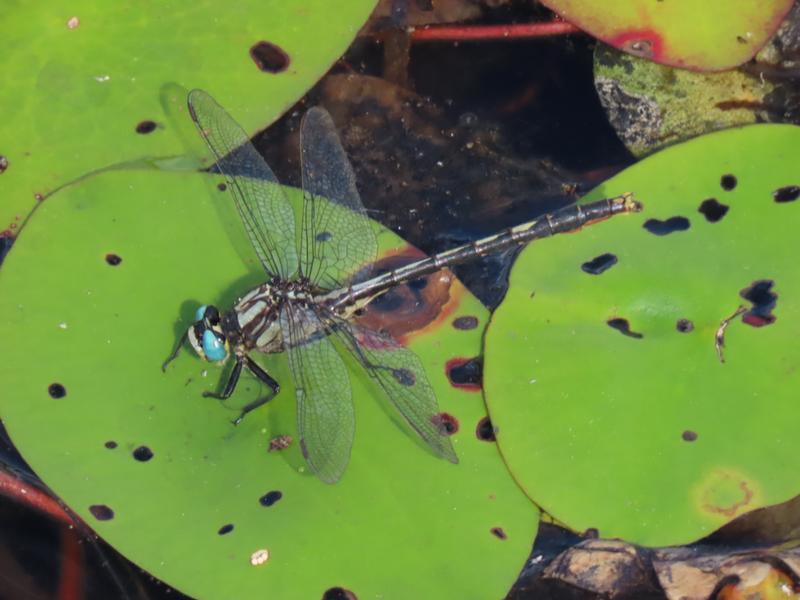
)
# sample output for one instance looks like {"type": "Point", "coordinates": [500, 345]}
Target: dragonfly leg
{"type": "Point", "coordinates": [233, 379]}
{"type": "Point", "coordinates": [265, 378]}
{"type": "Point", "coordinates": [175, 351]}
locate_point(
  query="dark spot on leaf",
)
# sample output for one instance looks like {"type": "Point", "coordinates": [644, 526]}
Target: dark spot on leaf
{"type": "Point", "coordinates": [56, 390]}
{"type": "Point", "coordinates": [728, 182]}
{"type": "Point", "coordinates": [39, 197]}
{"type": "Point", "coordinates": [269, 57]}
{"type": "Point", "coordinates": [324, 236]}
{"type": "Point", "coordinates": [712, 210]}
{"type": "Point", "coordinates": [418, 284]}
{"type": "Point", "coordinates": [465, 323]}
{"type": "Point", "coordinates": [592, 533]}
{"type": "Point", "coordinates": [337, 593]}
{"type": "Point", "coordinates": [146, 127]}
{"type": "Point", "coordinates": [404, 377]}
{"type": "Point", "coordinates": [499, 533]}
{"type": "Point", "coordinates": [143, 454]}
{"type": "Point", "coordinates": [599, 264]}
{"type": "Point", "coordinates": [6, 241]}
{"type": "Point", "coordinates": [671, 225]}
{"type": "Point", "coordinates": [465, 373]}
{"type": "Point", "coordinates": [446, 423]}
{"type": "Point", "coordinates": [764, 301]}
{"type": "Point", "coordinates": [684, 325]}
{"type": "Point", "coordinates": [485, 430]}
{"type": "Point", "coordinates": [222, 186]}
{"type": "Point", "coordinates": [270, 498]}
{"type": "Point", "coordinates": [623, 327]}
{"type": "Point", "coordinates": [110, 444]}
{"type": "Point", "coordinates": [225, 529]}
{"type": "Point", "coordinates": [689, 436]}
{"type": "Point", "coordinates": [113, 259]}
{"type": "Point", "coordinates": [786, 194]}
{"type": "Point", "coordinates": [101, 512]}
{"type": "Point", "coordinates": [3, 164]}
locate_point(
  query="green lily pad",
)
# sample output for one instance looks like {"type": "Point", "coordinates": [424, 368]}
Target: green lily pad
{"type": "Point", "coordinates": [87, 84]}
{"type": "Point", "coordinates": [604, 370]}
{"type": "Point", "coordinates": [94, 294]}
{"type": "Point", "coordinates": [707, 36]}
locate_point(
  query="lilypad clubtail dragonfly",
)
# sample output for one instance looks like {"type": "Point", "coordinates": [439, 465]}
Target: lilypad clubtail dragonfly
{"type": "Point", "coordinates": [317, 278]}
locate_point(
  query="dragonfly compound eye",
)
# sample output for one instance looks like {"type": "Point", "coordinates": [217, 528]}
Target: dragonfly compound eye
{"type": "Point", "coordinates": [214, 346]}
{"type": "Point", "coordinates": [201, 313]}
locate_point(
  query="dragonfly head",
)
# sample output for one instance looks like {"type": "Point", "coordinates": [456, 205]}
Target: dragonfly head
{"type": "Point", "coordinates": [206, 335]}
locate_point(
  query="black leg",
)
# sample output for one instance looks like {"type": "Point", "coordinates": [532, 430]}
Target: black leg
{"type": "Point", "coordinates": [233, 379]}
{"type": "Point", "coordinates": [265, 378]}
{"type": "Point", "coordinates": [175, 352]}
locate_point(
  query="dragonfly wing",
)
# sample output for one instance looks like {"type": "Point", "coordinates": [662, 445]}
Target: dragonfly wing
{"type": "Point", "coordinates": [401, 375]}
{"type": "Point", "coordinates": [262, 204]}
{"type": "Point", "coordinates": [336, 239]}
{"type": "Point", "coordinates": [325, 418]}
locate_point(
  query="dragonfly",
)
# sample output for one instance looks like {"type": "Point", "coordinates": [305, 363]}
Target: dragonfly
{"type": "Point", "coordinates": [318, 277]}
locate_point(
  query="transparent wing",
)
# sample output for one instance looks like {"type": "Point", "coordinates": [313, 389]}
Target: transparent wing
{"type": "Point", "coordinates": [262, 204]}
{"type": "Point", "coordinates": [325, 418]}
{"type": "Point", "coordinates": [336, 237]}
{"type": "Point", "coordinates": [401, 375]}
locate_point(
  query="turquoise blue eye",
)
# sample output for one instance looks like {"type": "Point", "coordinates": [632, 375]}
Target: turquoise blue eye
{"type": "Point", "coordinates": [213, 348]}
{"type": "Point", "coordinates": [201, 312]}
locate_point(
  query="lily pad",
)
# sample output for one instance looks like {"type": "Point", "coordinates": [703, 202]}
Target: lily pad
{"type": "Point", "coordinates": [707, 36]}
{"type": "Point", "coordinates": [87, 84]}
{"type": "Point", "coordinates": [162, 474]}
{"type": "Point", "coordinates": [631, 392]}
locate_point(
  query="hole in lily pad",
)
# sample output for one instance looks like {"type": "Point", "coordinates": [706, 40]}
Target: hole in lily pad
{"type": "Point", "coordinates": [599, 264]}
{"type": "Point", "coordinates": [110, 444]}
{"type": "Point", "coordinates": [222, 186]}
{"type": "Point", "coordinates": [101, 512]}
{"type": "Point", "coordinates": [499, 533]}
{"type": "Point", "coordinates": [465, 373]}
{"type": "Point", "coordinates": [113, 259]}
{"type": "Point", "coordinates": [225, 529]}
{"type": "Point", "coordinates": [764, 300]}
{"type": "Point", "coordinates": [786, 194]}
{"type": "Point", "coordinates": [689, 436]}
{"type": "Point", "coordinates": [623, 327]}
{"type": "Point", "coordinates": [658, 227]}
{"type": "Point", "coordinates": [146, 127]}
{"type": "Point", "coordinates": [713, 210]}
{"type": "Point", "coordinates": [404, 377]}
{"type": "Point", "coordinates": [56, 390]}
{"type": "Point", "coordinates": [143, 454]}
{"type": "Point", "coordinates": [684, 325]}
{"type": "Point", "coordinates": [269, 57]}
{"type": "Point", "coordinates": [485, 430]}
{"type": "Point", "coordinates": [465, 323]}
{"type": "Point", "coordinates": [338, 593]}
{"type": "Point", "coordinates": [270, 498]}
{"type": "Point", "coordinates": [446, 423]}
{"type": "Point", "coordinates": [728, 182]}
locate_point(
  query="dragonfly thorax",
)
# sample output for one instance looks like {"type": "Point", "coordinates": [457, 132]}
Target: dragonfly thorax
{"type": "Point", "coordinates": [254, 321]}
